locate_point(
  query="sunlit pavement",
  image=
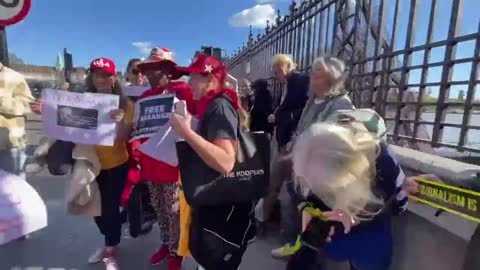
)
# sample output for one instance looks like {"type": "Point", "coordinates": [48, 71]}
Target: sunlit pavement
{"type": "Point", "coordinates": [68, 240]}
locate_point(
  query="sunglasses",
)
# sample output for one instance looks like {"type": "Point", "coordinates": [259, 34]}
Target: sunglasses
{"type": "Point", "coordinates": [136, 71]}
{"type": "Point", "coordinates": [156, 73]}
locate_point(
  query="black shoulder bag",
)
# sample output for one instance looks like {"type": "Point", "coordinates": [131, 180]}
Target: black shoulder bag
{"type": "Point", "coordinates": [247, 182]}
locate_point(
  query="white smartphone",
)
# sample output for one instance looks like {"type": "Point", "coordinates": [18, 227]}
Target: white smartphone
{"type": "Point", "coordinates": [180, 108]}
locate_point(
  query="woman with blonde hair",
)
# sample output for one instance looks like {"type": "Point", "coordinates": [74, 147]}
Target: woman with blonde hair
{"type": "Point", "coordinates": [353, 186]}
{"type": "Point", "coordinates": [285, 120]}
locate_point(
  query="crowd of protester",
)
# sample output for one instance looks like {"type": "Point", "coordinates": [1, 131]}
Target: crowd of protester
{"type": "Point", "coordinates": [344, 183]}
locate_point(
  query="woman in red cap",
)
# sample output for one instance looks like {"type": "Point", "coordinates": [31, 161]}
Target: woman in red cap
{"type": "Point", "coordinates": [113, 159]}
{"type": "Point", "coordinates": [219, 234]}
{"type": "Point", "coordinates": [160, 70]}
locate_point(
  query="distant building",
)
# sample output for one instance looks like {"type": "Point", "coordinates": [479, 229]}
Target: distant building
{"type": "Point", "coordinates": [40, 77]}
{"type": "Point", "coordinates": [461, 95]}
{"type": "Point", "coordinates": [37, 73]}
{"type": "Point", "coordinates": [210, 50]}
{"type": "Point", "coordinates": [429, 92]}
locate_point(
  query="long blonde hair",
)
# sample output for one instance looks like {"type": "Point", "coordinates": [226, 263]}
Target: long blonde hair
{"type": "Point", "coordinates": [336, 162]}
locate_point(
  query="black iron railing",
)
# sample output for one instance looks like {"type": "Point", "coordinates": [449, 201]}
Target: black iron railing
{"type": "Point", "coordinates": [384, 73]}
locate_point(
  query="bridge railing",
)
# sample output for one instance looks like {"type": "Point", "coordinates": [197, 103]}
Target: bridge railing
{"type": "Point", "coordinates": [413, 85]}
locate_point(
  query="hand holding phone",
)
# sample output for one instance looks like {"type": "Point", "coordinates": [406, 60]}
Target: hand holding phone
{"type": "Point", "coordinates": [180, 108]}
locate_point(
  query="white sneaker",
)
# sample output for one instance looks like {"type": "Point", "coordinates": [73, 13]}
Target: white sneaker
{"type": "Point", "coordinates": [111, 263]}
{"type": "Point", "coordinates": [98, 256]}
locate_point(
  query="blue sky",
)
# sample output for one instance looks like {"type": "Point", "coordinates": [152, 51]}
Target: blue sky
{"type": "Point", "coordinates": [111, 28]}
{"type": "Point", "coordinates": [469, 22]}
{"type": "Point", "coordinates": [94, 28]}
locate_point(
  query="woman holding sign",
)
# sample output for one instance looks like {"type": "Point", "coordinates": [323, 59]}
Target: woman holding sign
{"type": "Point", "coordinates": [219, 234]}
{"type": "Point", "coordinates": [113, 159]}
{"type": "Point", "coordinates": [160, 69]}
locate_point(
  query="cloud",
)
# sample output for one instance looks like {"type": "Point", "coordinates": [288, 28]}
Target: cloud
{"type": "Point", "coordinates": [256, 16]}
{"type": "Point", "coordinates": [143, 46]}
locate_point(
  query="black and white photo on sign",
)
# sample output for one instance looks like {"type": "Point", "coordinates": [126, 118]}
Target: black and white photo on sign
{"type": "Point", "coordinates": [151, 114]}
{"type": "Point", "coordinates": [79, 117]}
{"type": "Point", "coordinates": [68, 116]}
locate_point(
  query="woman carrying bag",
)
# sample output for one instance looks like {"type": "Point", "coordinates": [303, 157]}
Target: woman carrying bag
{"type": "Point", "coordinates": [219, 232]}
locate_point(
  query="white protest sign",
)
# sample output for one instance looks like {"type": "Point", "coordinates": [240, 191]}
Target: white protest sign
{"type": "Point", "coordinates": [79, 118]}
{"type": "Point", "coordinates": [134, 90]}
{"type": "Point", "coordinates": [22, 211]}
{"type": "Point", "coordinates": [161, 146]}
{"type": "Point", "coordinates": [150, 114]}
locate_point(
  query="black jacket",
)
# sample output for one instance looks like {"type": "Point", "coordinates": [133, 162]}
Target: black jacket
{"type": "Point", "coordinates": [288, 113]}
{"type": "Point", "coordinates": [262, 107]}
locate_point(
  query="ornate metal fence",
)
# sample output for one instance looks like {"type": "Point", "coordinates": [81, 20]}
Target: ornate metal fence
{"type": "Point", "coordinates": [408, 82]}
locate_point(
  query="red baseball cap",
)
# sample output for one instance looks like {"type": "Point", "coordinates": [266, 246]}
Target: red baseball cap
{"type": "Point", "coordinates": [104, 64]}
{"type": "Point", "coordinates": [205, 64]}
{"type": "Point", "coordinates": [161, 58]}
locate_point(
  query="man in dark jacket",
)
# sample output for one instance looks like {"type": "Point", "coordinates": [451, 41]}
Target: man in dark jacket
{"type": "Point", "coordinates": [262, 107]}
{"type": "Point", "coordinates": [285, 118]}
{"type": "Point", "coordinates": [288, 114]}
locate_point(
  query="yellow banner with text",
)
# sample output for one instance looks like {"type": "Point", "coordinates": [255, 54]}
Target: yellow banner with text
{"type": "Point", "coordinates": [458, 201]}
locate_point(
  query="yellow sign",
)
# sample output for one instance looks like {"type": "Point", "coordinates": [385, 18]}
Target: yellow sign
{"type": "Point", "coordinates": [455, 200]}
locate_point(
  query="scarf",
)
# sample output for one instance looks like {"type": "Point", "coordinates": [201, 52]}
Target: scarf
{"type": "Point", "coordinates": [203, 103]}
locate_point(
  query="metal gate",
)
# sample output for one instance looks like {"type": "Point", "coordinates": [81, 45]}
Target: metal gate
{"type": "Point", "coordinates": [408, 82]}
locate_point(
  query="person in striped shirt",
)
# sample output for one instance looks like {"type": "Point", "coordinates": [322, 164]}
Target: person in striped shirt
{"type": "Point", "coordinates": [15, 98]}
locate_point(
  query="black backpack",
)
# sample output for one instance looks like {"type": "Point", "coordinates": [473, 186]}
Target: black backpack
{"type": "Point", "coordinates": [59, 158]}
{"type": "Point", "coordinates": [140, 210]}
